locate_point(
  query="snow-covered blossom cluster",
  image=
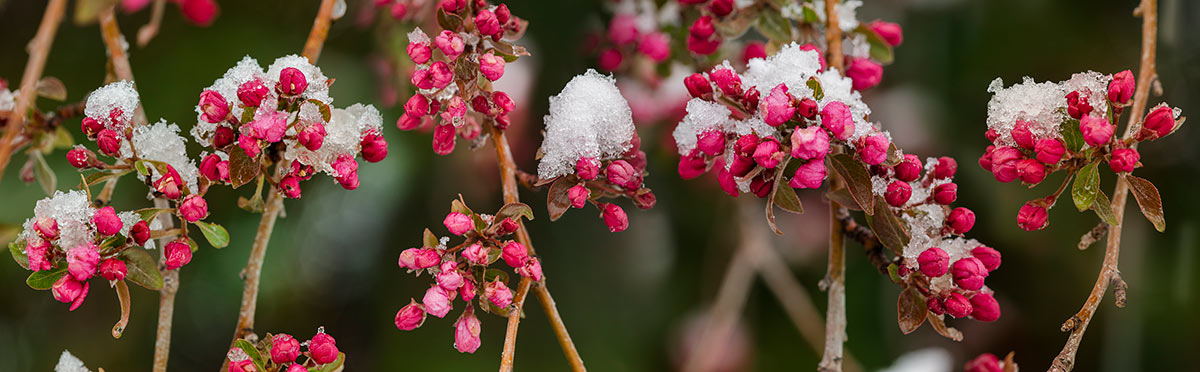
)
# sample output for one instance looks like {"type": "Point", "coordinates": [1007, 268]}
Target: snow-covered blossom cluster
{"type": "Point", "coordinates": [785, 109]}
{"type": "Point", "coordinates": [633, 31]}
{"type": "Point", "coordinates": [591, 150]}
{"type": "Point", "coordinates": [455, 70]}
{"type": "Point", "coordinates": [284, 353]}
{"type": "Point", "coordinates": [243, 115]}
{"type": "Point", "coordinates": [464, 270]}
{"type": "Point", "coordinates": [1037, 129]}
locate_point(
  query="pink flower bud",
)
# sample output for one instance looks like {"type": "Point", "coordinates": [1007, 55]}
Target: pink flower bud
{"type": "Point", "coordinates": [113, 269]}
{"type": "Point", "coordinates": [615, 218]}
{"type": "Point", "coordinates": [475, 254]}
{"type": "Point", "coordinates": [835, 117]}
{"type": "Point", "coordinates": [1004, 161]}
{"type": "Point", "coordinates": [729, 82]}
{"type": "Point", "coordinates": [934, 262]}
{"type": "Point", "coordinates": [169, 184]}
{"type": "Point", "coordinates": [213, 107]}
{"type": "Point", "coordinates": [81, 158]}
{"type": "Point", "coordinates": [193, 208]}
{"type": "Point", "coordinates": [179, 253]}
{"type": "Point", "coordinates": [986, 362]}
{"type": "Point", "coordinates": [466, 333]}
{"type": "Point", "coordinates": [292, 82]}
{"type": "Point", "coordinates": [251, 93]}
{"type": "Point", "coordinates": [514, 254]}
{"type": "Point", "coordinates": [691, 167]}
{"type": "Point", "coordinates": [1077, 106]}
{"type": "Point", "coordinates": [36, 253]}
{"type": "Point", "coordinates": [199, 12]}
{"type": "Point", "coordinates": [106, 221]}
{"type": "Point", "coordinates": [610, 59]}
{"type": "Point", "coordinates": [440, 74]}
{"type": "Point", "coordinates": [437, 302]}
{"type": "Point", "coordinates": [777, 107]}
{"type": "Point", "coordinates": [419, 258]}
{"type": "Point", "coordinates": [449, 278]}
{"type": "Point", "coordinates": [90, 127]}
{"type": "Point", "coordinates": [1031, 171]}
{"type": "Point", "coordinates": [269, 127]}
{"type": "Point", "coordinates": [873, 149]}
{"type": "Point", "coordinates": [71, 291]}
{"type": "Point", "coordinates": [208, 167]}
{"type": "Point", "coordinates": [82, 261]}
{"type": "Point", "coordinates": [1049, 150]}
{"type": "Point", "coordinates": [969, 273]}
{"type": "Point", "coordinates": [498, 294]}
{"type": "Point", "coordinates": [399, 10]}
{"type": "Point", "coordinates": [503, 102]}
{"type": "Point", "coordinates": [46, 227]}
{"type": "Point", "coordinates": [702, 28]}
{"type": "Point", "coordinates": [984, 308]}
{"type": "Point", "coordinates": [698, 86]}
{"type": "Point", "coordinates": [140, 232]}
{"type": "Point", "coordinates": [746, 145]}
{"type": "Point", "coordinates": [222, 136]}
{"type": "Point", "coordinates": [945, 168]}
{"type": "Point", "coordinates": [587, 168]}
{"type": "Point", "coordinates": [623, 174]}
{"type": "Point", "coordinates": [244, 365]}
{"type": "Point", "coordinates": [449, 43]}
{"type": "Point", "coordinates": [935, 306]}
{"type": "Point", "coordinates": [806, 108]}
{"type": "Point", "coordinates": [909, 169]}
{"type": "Point", "coordinates": [491, 66]}
{"type": "Point", "coordinates": [985, 160]}
{"type": "Point", "coordinates": [623, 29]}
{"type": "Point", "coordinates": [1022, 135]}
{"type": "Point", "coordinates": [728, 184]}
{"type": "Point", "coordinates": [957, 305]}
{"type": "Point", "coordinates": [419, 52]}
{"type": "Point", "coordinates": [656, 46]}
{"type": "Point", "coordinates": [458, 223]}
{"type": "Point", "coordinates": [864, 72]}
{"type": "Point", "coordinates": [961, 220]}
{"type": "Point", "coordinates": [702, 46]}
{"type": "Point", "coordinates": [284, 348]}
{"type": "Point", "coordinates": [711, 142]}
{"type": "Point", "coordinates": [110, 142]}
{"type": "Point", "coordinates": [290, 186]}
{"type": "Point", "coordinates": [1031, 217]}
{"type": "Point", "coordinates": [720, 8]}
{"type": "Point", "coordinates": [810, 143]}
{"type": "Point", "coordinates": [754, 49]}
{"type": "Point", "coordinates": [467, 290]}
{"type": "Point", "coordinates": [1124, 160]}
{"type": "Point", "coordinates": [767, 153]}
{"type": "Point", "coordinates": [410, 316]}
{"type": "Point", "coordinates": [1096, 131]}
{"type": "Point", "coordinates": [347, 171]}
{"type": "Point", "coordinates": [374, 147]}
{"type": "Point", "coordinates": [453, 6]}
{"type": "Point", "coordinates": [1159, 123]}
{"type": "Point", "coordinates": [1120, 90]}
{"type": "Point", "coordinates": [945, 193]}
{"type": "Point", "coordinates": [809, 175]}
{"type": "Point", "coordinates": [890, 32]}
{"type": "Point", "coordinates": [988, 256]}
{"type": "Point", "coordinates": [531, 270]}
{"type": "Point", "coordinates": [416, 106]}
{"type": "Point", "coordinates": [312, 137]}
{"type": "Point", "coordinates": [443, 139]}
{"type": "Point", "coordinates": [578, 195]}
{"type": "Point", "coordinates": [323, 348]}
{"type": "Point", "coordinates": [898, 193]}
{"type": "Point", "coordinates": [250, 145]}
{"type": "Point", "coordinates": [487, 24]}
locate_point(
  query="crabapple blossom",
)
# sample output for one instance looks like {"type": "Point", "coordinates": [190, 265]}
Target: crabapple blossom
{"type": "Point", "coordinates": [69, 290]}
{"type": "Point", "coordinates": [898, 193]}
{"type": "Point", "coordinates": [986, 362]}
{"type": "Point", "coordinates": [113, 269]}
{"type": "Point", "coordinates": [437, 302]}
{"type": "Point", "coordinates": [178, 254]}
{"type": "Point", "coordinates": [957, 305]}
{"type": "Point", "coordinates": [809, 175]}
{"type": "Point", "coordinates": [945, 193]}
{"type": "Point", "coordinates": [1120, 90]}
{"type": "Point", "coordinates": [82, 261]}
{"type": "Point", "coordinates": [458, 223]}
{"type": "Point", "coordinates": [466, 333]}
{"type": "Point", "coordinates": [1124, 160]}
{"type": "Point", "coordinates": [106, 221]}
{"type": "Point", "coordinates": [1031, 217]}
{"type": "Point", "coordinates": [284, 348]}
{"type": "Point", "coordinates": [578, 195]}
{"type": "Point", "coordinates": [984, 307]}
{"type": "Point", "coordinates": [1096, 131]}
{"type": "Point", "coordinates": [890, 32]}
{"type": "Point", "coordinates": [1159, 122]}
{"type": "Point", "coordinates": [193, 208]}
{"type": "Point", "coordinates": [498, 294]}
{"type": "Point", "coordinates": [615, 218]}
{"type": "Point", "coordinates": [934, 262]}
{"type": "Point", "coordinates": [323, 348]}
{"type": "Point", "coordinates": [961, 220]}
{"type": "Point", "coordinates": [969, 273]}
{"type": "Point", "coordinates": [410, 316]}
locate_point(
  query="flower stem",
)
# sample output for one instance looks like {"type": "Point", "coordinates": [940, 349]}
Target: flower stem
{"type": "Point", "coordinates": [1109, 274]}
{"type": "Point", "coordinates": [39, 49]}
{"type": "Point", "coordinates": [835, 279]}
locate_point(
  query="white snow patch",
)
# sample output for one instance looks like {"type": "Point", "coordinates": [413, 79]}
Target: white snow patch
{"type": "Point", "coordinates": [589, 118]}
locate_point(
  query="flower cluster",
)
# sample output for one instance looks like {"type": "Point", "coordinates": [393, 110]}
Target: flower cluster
{"type": "Point", "coordinates": [465, 269]}
{"type": "Point", "coordinates": [630, 34]}
{"type": "Point", "coordinates": [1037, 129]}
{"type": "Point", "coordinates": [400, 9]}
{"type": "Point", "coordinates": [456, 68]}
{"type": "Point", "coordinates": [252, 118]}
{"type": "Point", "coordinates": [591, 151]}
{"type": "Point", "coordinates": [283, 353]}
{"type": "Point", "coordinates": [68, 241]}
{"type": "Point", "coordinates": [784, 110]}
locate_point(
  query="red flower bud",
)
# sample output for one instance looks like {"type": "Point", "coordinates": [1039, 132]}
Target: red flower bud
{"type": "Point", "coordinates": [934, 262]}
{"type": "Point", "coordinates": [292, 82]}
{"type": "Point", "coordinates": [251, 93]}
{"type": "Point", "coordinates": [986, 362]}
{"type": "Point", "coordinates": [458, 223]}
{"type": "Point", "coordinates": [213, 107]}
{"type": "Point", "coordinates": [1049, 150]}
{"type": "Point", "coordinates": [957, 305]}
{"type": "Point", "coordinates": [90, 127]}
{"type": "Point", "coordinates": [284, 349]}
{"type": "Point", "coordinates": [374, 147]}
{"type": "Point", "coordinates": [1097, 132]}
{"type": "Point", "coordinates": [945, 168]}
{"type": "Point", "coordinates": [1077, 106]}
{"type": "Point", "coordinates": [898, 193]}
{"type": "Point", "coordinates": [110, 142]}
{"type": "Point", "coordinates": [487, 24]}
{"type": "Point", "coordinates": [711, 143]}
{"type": "Point", "coordinates": [1031, 171]}
{"type": "Point", "coordinates": [410, 316]}
{"type": "Point", "coordinates": [178, 253]}
{"type": "Point", "coordinates": [865, 73]}
{"type": "Point", "coordinates": [199, 12]}
{"type": "Point", "coordinates": [945, 193]}
{"type": "Point", "coordinates": [531, 270]}
{"type": "Point", "coordinates": [767, 153]}
{"type": "Point", "coordinates": [909, 169]}
{"type": "Point", "coordinates": [106, 221]}
{"type": "Point", "coordinates": [873, 149]}
{"type": "Point", "coordinates": [514, 254]}
{"type": "Point", "coordinates": [81, 158]}
{"type": "Point", "coordinates": [698, 86]}
{"type": "Point", "coordinates": [1022, 135]}
{"type": "Point", "coordinates": [890, 32]}
{"type": "Point", "coordinates": [1159, 123]}
{"type": "Point", "coordinates": [193, 208]}
{"type": "Point", "coordinates": [727, 183]}
{"type": "Point", "coordinates": [312, 137]}
{"type": "Point", "coordinates": [984, 308]}
{"type": "Point", "coordinates": [610, 59]}
{"type": "Point", "coordinates": [46, 227]}
{"type": "Point", "coordinates": [290, 186]}
{"type": "Point", "coordinates": [728, 81]}
{"type": "Point", "coordinates": [1124, 160]}
{"type": "Point", "coordinates": [1004, 163]}
{"type": "Point", "coordinates": [615, 218]}
{"type": "Point", "coordinates": [140, 232]}
{"type": "Point", "coordinates": [498, 294]}
{"type": "Point", "coordinates": [969, 273]}
{"type": "Point", "coordinates": [935, 306]}
{"type": "Point", "coordinates": [623, 174]}
{"type": "Point", "coordinates": [1031, 217]}
{"type": "Point", "coordinates": [961, 220]}
{"type": "Point", "coordinates": [1120, 89]}
{"type": "Point", "coordinates": [988, 256]}
{"type": "Point", "coordinates": [809, 175]}
{"type": "Point", "coordinates": [82, 261]}
{"type": "Point", "coordinates": [113, 269]}
{"type": "Point", "coordinates": [323, 348]}
{"type": "Point", "coordinates": [578, 195]}
{"type": "Point", "coordinates": [69, 290]}
{"type": "Point", "coordinates": [645, 200]}
{"type": "Point", "coordinates": [720, 8]}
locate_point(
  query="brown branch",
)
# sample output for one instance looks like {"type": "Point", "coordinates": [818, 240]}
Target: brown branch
{"type": "Point", "coordinates": [149, 30]}
{"type": "Point", "coordinates": [166, 296]}
{"type": "Point", "coordinates": [835, 279]}
{"type": "Point", "coordinates": [1109, 274]}
{"type": "Point", "coordinates": [508, 182]}
{"type": "Point", "coordinates": [320, 29]}
{"type": "Point", "coordinates": [863, 235]}
{"type": "Point", "coordinates": [39, 50]}
{"type": "Point", "coordinates": [1093, 236]}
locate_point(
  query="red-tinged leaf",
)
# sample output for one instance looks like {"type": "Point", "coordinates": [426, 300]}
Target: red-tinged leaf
{"type": "Point", "coordinates": [448, 21]}
{"type": "Point", "coordinates": [843, 197]}
{"type": "Point", "coordinates": [142, 268]}
{"type": "Point", "coordinates": [910, 310]}
{"type": "Point", "coordinates": [123, 298]}
{"type": "Point", "coordinates": [557, 200]}
{"type": "Point", "coordinates": [857, 179]}
{"type": "Point", "coordinates": [890, 230]}
{"type": "Point", "coordinates": [428, 240]}
{"type": "Point", "coordinates": [939, 325]}
{"type": "Point", "coordinates": [1148, 200]}
{"type": "Point", "coordinates": [511, 210]}
{"type": "Point", "coordinates": [775, 193]}
{"type": "Point", "coordinates": [242, 168]}
{"type": "Point", "coordinates": [52, 88]}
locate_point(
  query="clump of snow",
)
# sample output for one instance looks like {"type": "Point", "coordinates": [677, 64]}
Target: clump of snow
{"type": "Point", "coordinates": [924, 228]}
{"type": "Point", "coordinates": [856, 45]}
{"type": "Point", "coordinates": [8, 100]}
{"type": "Point", "coordinates": [418, 36]}
{"type": "Point", "coordinates": [1042, 105]}
{"type": "Point", "coordinates": [840, 88]}
{"type": "Point", "coordinates": [344, 134]}
{"type": "Point", "coordinates": [318, 87]}
{"type": "Point", "coordinates": [118, 95]}
{"type": "Point", "coordinates": [69, 363]}
{"type": "Point", "coordinates": [245, 70]}
{"type": "Point", "coordinates": [846, 13]}
{"type": "Point", "coordinates": [72, 210]}
{"type": "Point", "coordinates": [791, 66]}
{"type": "Point", "coordinates": [702, 116]}
{"type": "Point", "coordinates": [162, 142]}
{"type": "Point", "coordinates": [589, 118]}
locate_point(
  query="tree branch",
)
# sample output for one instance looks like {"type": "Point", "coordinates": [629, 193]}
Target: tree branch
{"type": "Point", "coordinates": [835, 280]}
{"type": "Point", "coordinates": [1109, 273]}
{"type": "Point", "coordinates": [39, 49]}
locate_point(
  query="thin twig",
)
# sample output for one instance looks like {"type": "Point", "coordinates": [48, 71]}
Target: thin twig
{"type": "Point", "coordinates": [1093, 235]}
{"type": "Point", "coordinates": [320, 29]}
{"type": "Point", "coordinates": [149, 30]}
{"type": "Point", "coordinates": [166, 296]}
{"type": "Point", "coordinates": [863, 235]}
{"type": "Point", "coordinates": [835, 280]}
{"type": "Point", "coordinates": [39, 49]}
{"type": "Point", "coordinates": [1065, 360]}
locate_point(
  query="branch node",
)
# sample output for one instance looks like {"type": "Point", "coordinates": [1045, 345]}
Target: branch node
{"type": "Point", "coordinates": [1092, 236]}
{"type": "Point", "coordinates": [1119, 288]}
{"type": "Point", "coordinates": [1071, 324]}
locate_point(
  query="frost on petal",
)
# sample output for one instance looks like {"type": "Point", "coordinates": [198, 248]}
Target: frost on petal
{"type": "Point", "coordinates": [162, 142]}
{"type": "Point", "coordinates": [69, 363]}
{"type": "Point", "coordinates": [344, 134]}
{"type": "Point", "coordinates": [318, 87]}
{"type": "Point", "coordinates": [1042, 105]}
{"type": "Point", "coordinates": [128, 219]}
{"type": "Point", "coordinates": [73, 212]}
{"type": "Point", "coordinates": [418, 36]}
{"type": "Point", "coordinates": [702, 116]}
{"type": "Point", "coordinates": [119, 95]}
{"type": "Point", "coordinates": [245, 70]}
{"type": "Point", "coordinates": [589, 118]}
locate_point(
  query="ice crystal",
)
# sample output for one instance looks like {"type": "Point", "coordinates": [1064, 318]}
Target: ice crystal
{"type": "Point", "coordinates": [702, 116]}
{"type": "Point", "coordinates": [161, 142]}
{"type": "Point", "coordinates": [72, 210]}
{"type": "Point", "coordinates": [846, 13]}
{"type": "Point", "coordinates": [69, 363]}
{"type": "Point", "coordinates": [118, 95]}
{"type": "Point", "coordinates": [318, 85]}
{"type": "Point", "coordinates": [1042, 105]}
{"type": "Point", "coordinates": [791, 66]}
{"type": "Point", "coordinates": [344, 134]}
{"type": "Point", "coordinates": [7, 100]}
{"type": "Point", "coordinates": [589, 118]}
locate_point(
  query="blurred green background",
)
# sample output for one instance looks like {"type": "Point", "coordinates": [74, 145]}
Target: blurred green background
{"type": "Point", "coordinates": [627, 297]}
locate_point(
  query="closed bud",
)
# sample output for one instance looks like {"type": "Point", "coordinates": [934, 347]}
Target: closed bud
{"type": "Point", "coordinates": [777, 106]}
{"type": "Point", "coordinates": [957, 305]}
{"type": "Point", "coordinates": [498, 294]}
{"type": "Point", "coordinates": [610, 59]}
{"type": "Point", "coordinates": [437, 302]}
{"type": "Point", "coordinates": [702, 28]}
{"type": "Point", "coordinates": [810, 143]}
{"type": "Point", "coordinates": [762, 185]}
{"type": "Point", "coordinates": [728, 81]}
{"type": "Point", "coordinates": [727, 183]}
{"type": "Point", "coordinates": [1022, 135]}
{"type": "Point", "coordinates": [410, 316]}
{"type": "Point", "coordinates": [514, 254]}
{"type": "Point", "coordinates": [222, 136]}
{"type": "Point", "coordinates": [1120, 89]}
{"type": "Point", "coordinates": [935, 306]}
{"type": "Point", "coordinates": [750, 99]}
{"type": "Point", "coordinates": [374, 147]}
{"type": "Point", "coordinates": [752, 50]}
{"type": "Point", "coordinates": [809, 175]}
{"type": "Point", "coordinates": [969, 273]}
{"type": "Point", "coordinates": [193, 208]}
{"type": "Point", "coordinates": [934, 262]}
{"type": "Point", "coordinates": [106, 221]}
{"type": "Point", "coordinates": [252, 92]}
{"type": "Point", "coordinates": [290, 186]}
{"type": "Point", "coordinates": [449, 278]}
{"type": "Point", "coordinates": [1049, 151]}
{"type": "Point", "coordinates": [615, 218]}
{"type": "Point", "coordinates": [531, 270]}
{"type": "Point", "coordinates": [1031, 171]}
{"type": "Point", "coordinates": [873, 149]}
{"type": "Point", "coordinates": [587, 168]}
{"type": "Point", "coordinates": [720, 8]}
{"type": "Point", "coordinates": [453, 6]}
{"type": "Point", "coordinates": [1031, 217]}
{"type": "Point", "coordinates": [323, 348]}
{"type": "Point", "coordinates": [1004, 161]}
{"type": "Point", "coordinates": [292, 82]}
{"type": "Point", "coordinates": [419, 52]}
{"type": "Point", "coordinates": [985, 160]}
{"type": "Point", "coordinates": [35, 251]}
{"type": "Point", "coordinates": [466, 332]}
{"type": "Point", "coordinates": [698, 86]}
{"type": "Point", "coordinates": [284, 349]}
{"type": "Point", "coordinates": [508, 226]}
{"type": "Point", "coordinates": [487, 24]}
{"type": "Point", "coordinates": [475, 254]}
{"type": "Point", "coordinates": [178, 254]}
{"type": "Point", "coordinates": [961, 220]}
{"type": "Point", "coordinates": [443, 139]}
{"type": "Point", "coordinates": [767, 153]}
{"type": "Point", "coordinates": [110, 142]}
{"type": "Point", "coordinates": [449, 43]}
{"type": "Point", "coordinates": [656, 46]}
{"type": "Point", "coordinates": [82, 261]}
{"type": "Point", "coordinates": [70, 291]}
{"type": "Point", "coordinates": [140, 232]}
{"type": "Point", "coordinates": [990, 258]}
{"type": "Point", "coordinates": [711, 143]}
{"type": "Point", "coordinates": [492, 66]}
{"type": "Point", "coordinates": [1124, 160]}
{"type": "Point", "coordinates": [898, 193]}
{"type": "Point", "coordinates": [1077, 106]}
{"type": "Point", "coordinates": [81, 158]}
{"type": "Point", "coordinates": [312, 137]}
{"type": "Point", "coordinates": [213, 107]}
{"type": "Point", "coordinates": [113, 269]}
{"type": "Point", "coordinates": [398, 10]}
{"type": "Point", "coordinates": [945, 168]}
{"type": "Point", "coordinates": [986, 362]}
{"type": "Point", "coordinates": [909, 169]}
{"type": "Point", "coordinates": [746, 145]}
{"type": "Point", "coordinates": [945, 193]}
{"type": "Point", "coordinates": [578, 195]}
{"type": "Point", "coordinates": [347, 171]}
{"type": "Point", "coordinates": [645, 200]}
{"type": "Point", "coordinates": [1159, 123]}
{"type": "Point", "coordinates": [1097, 132]}
{"type": "Point", "coordinates": [984, 307]}
{"type": "Point", "coordinates": [864, 72]}
{"type": "Point", "coordinates": [208, 167]}
{"type": "Point", "coordinates": [890, 32]}
{"type": "Point", "coordinates": [623, 174]}
{"type": "Point", "coordinates": [467, 290]}
{"type": "Point", "coordinates": [458, 223]}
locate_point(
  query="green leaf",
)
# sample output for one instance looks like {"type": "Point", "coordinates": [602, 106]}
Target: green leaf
{"type": "Point", "coordinates": [112, 243]}
{"type": "Point", "coordinates": [880, 50]}
{"type": "Point", "coordinates": [775, 27]}
{"type": "Point", "coordinates": [493, 254]}
{"type": "Point", "coordinates": [734, 27]}
{"type": "Point", "coordinates": [810, 15]}
{"type": "Point", "coordinates": [894, 273]}
{"type": "Point", "coordinates": [141, 168]}
{"type": "Point", "coordinates": [45, 176]}
{"type": "Point", "coordinates": [458, 206]}
{"type": "Point", "coordinates": [326, 114]}
{"type": "Point", "coordinates": [334, 366]}
{"type": "Point", "coordinates": [1087, 184]}
{"type": "Point", "coordinates": [192, 244]}
{"type": "Point", "coordinates": [142, 269]}
{"type": "Point", "coordinates": [252, 351]}
{"type": "Point", "coordinates": [44, 280]}
{"type": "Point", "coordinates": [910, 310]}
{"type": "Point", "coordinates": [17, 249]}
{"type": "Point", "coordinates": [148, 214]}
{"type": "Point", "coordinates": [214, 233]}
{"type": "Point", "coordinates": [1148, 200]}
{"type": "Point", "coordinates": [491, 275]}
{"type": "Point", "coordinates": [557, 200]}
{"type": "Point", "coordinates": [101, 176]}
{"type": "Point", "coordinates": [857, 179]}
{"type": "Point", "coordinates": [428, 240]}
{"type": "Point", "coordinates": [512, 210]}
{"type": "Point", "coordinates": [1072, 138]}
{"type": "Point", "coordinates": [888, 227]}
{"type": "Point", "coordinates": [785, 198]}
{"type": "Point", "coordinates": [1103, 209]}
{"type": "Point", "coordinates": [815, 85]}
